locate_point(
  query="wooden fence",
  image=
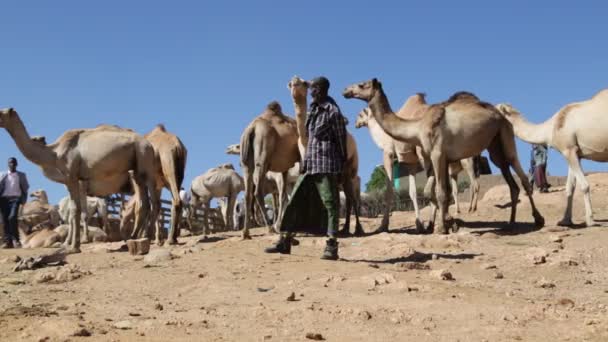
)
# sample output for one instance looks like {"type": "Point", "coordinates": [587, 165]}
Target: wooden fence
{"type": "Point", "coordinates": [115, 203]}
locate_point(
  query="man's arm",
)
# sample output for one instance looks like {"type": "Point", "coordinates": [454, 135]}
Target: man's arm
{"type": "Point", "coordinates": [25, 187]}
{"type": "Point", "coordinates": [339, 128]}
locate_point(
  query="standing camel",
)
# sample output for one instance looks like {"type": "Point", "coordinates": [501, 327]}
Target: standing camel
{"type": "Point", "coordinates": [459, 128]}
{"type": "Point", "coordinates": [93, 162]}
{"type": "Point", "coordinates": [578, 131]}
{"type": "Point", "coordinates": [411, 156]}
{"type": "Point", "coordinates": [219, 182]}
{"type": "Point", "coordinates": [90, 206]}
{"type": "Point", "coordinates": [269, 143]}
{"type": "Point", "coordinates": [171, 155]}
{"type": "Point", "coordinates": [349, 180]}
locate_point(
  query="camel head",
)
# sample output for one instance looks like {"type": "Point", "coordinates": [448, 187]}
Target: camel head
{"type": "Point", "coordinates": [363, 91]}
{"type": "Point", "coordinates": [39, 194]}
{"type": "Point", "coordinates": [234, 149]}
{"type": "Point", "coordinates": [363, 118]}
{"type": "Point", "coordinates": [7, 117]}
{"type": "Point", "coordinates": [298, 88]}
{"type": "Point", "coordinates": [507, 110]}
{"type": "Point", "coordinates": [227, 166]}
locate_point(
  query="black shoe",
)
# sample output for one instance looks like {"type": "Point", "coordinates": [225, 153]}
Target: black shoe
{"type": "Point", "coordinates": [282, 246]}
{"type": "Point", "coordinates": [6, 245]}
{"type": "Point", "coordinates": [331, 250]}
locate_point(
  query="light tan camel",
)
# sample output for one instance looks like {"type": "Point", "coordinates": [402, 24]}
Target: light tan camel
{"type": "Point", "coordinates": [38, 210]}
{"type": "Point", "coordinates": [219, 182]}
{"type": "Point", "coordinates": [350, 181]}
{"type": "Point", "coordinates": [171, 155]}
{"type": "Point", "coordinates": [42, 236]}
{"type": "Point", "coordinates": [412, 157]}
{"type": "Point", "coordinates": [459, 128]}
{"type": "Point", "coordinates": [90, 206]}
{"type": "Point", "coordinates": [269, 143]}
{"type": "Point", "coordinates": [89, 162]}
{"type": "Point", "coordinates": [578, 131]}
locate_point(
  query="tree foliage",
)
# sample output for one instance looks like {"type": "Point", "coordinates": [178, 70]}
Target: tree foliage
{"type": "Point", "coordinates": [377, 181]}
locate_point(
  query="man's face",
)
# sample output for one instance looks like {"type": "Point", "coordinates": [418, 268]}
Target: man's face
{"type": "Point", "coordinates": [317, 92]}
{"type": "Point", "coordinates": [12, 165]}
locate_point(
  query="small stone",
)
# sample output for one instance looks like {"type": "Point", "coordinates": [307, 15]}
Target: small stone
{"type": "Point", "coordinates": [315, 337]}
{"type": "Point", "coordinates": [158, 256]}
{"type": "Point", "coordinates": [13, 281]}
{"type": "Point", "coordinates": [158, 307]}
{"type": "Point", "coordinates": [82, 332]}
{"type": "Point", "coordinates": [434, 257]}
{"type": "Point", "coordinates": [537, 255]}
{"type": "Point", "coordinates": [365, 315]}
{"type": "Point", "coordinates": [134, 314]}
{"type": "Point", "coordinates": [202, 275]}
{"type": "Point", "coordinates": [123, 325]}
{"type": "Point", "coordinates": [44, 339]}
{"type": "Point", "coordinates": [442, 275]}
{"type": "Point", "coordinates": [139, 246]}
{"type": "Point", "coordinates": [588, 282]}
{"type": "Point", "coordinates": [591, 321]}
{"type": "Point", "coordinates": [545, 284]}
{"type": "Point", "coordinates": [555, 238]}
{"type": "Point", "coordinates": [566, 302]}
{"type": "Point", "coordinates": [488, 267]}
{"type": "Point", "coordinates": [292, 297]}
{"type": "Point", "coordinates": [498, 275]}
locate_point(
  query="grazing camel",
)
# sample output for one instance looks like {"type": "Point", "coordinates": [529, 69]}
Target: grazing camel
{"type": "Point", "coordinates": [218, 182]}
{"type": "Point", "coordinates": [171, 155]}
{"type": "Point", "coordinates": [578, 131]}
{"type": "Point", "coordinates": [90, 206]}
{"type": "Point", "coordinates": [92, 162]}
{"type": "Point", "coordinates": [269, 143]}
{"type": "Point", "coordinates": [411, 155]}
{"type": "Point", "coordinates": [349, 180]}
{"type": "Point", "coordinates": [458, 128]}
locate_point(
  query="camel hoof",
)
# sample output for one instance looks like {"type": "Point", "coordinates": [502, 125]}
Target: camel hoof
{"type": "Point", "coordinates": [381, 230]}
{"type": "Point", "coordinates": [244, 237]}
{"type": "Point", "coordinates": [419, 226]}
{"type": "Point", "coordinates": [359, 231]}
{"type": "Point", "coordinates": [172, 242]}
{"type": "Point", "coordinates": [592, 224]}
{"type": "Point", "coordinates": [430, 228]}
{"type": "Point", "coordinates": [295, 242]}
{"type": "Point", "coordinates": [454, 226]}
{"type": "Point", "coordinates": [539, 221]}
{"type": "Point", "coordinates": [565, 223]}
{"type": "Point", "coordinates": [72, 250]}
{"type": "Point", "coordinates": [441, 230]}
{"type": "Point", "coordinates": [343, 233]}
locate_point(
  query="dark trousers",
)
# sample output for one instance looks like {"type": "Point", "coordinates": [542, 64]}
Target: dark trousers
{"type": "Point", "coordinates": [540, 177]}
{"type": "Point", "coordinates": [9, 206]}
{"type": "Point", "coordinates": [297, 212]}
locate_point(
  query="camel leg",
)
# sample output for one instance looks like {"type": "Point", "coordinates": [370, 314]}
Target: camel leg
{"type": "Point", "coordinates": [389, 194]}
{"type": "Point", "coordinates": [413, 192]}
{"type": "Point", "coordinates": [356, 185]}
{"type": "Point", "coordinates": [248, 202]}
{"type": "Point", "coordinates": [278, 215]}
{"type": "Point", "coordinates": [441, 175]}
{"type": "Point", "coordinates": [258, 181]}
{"type": "Point", "coordinates": [176, 215]}
{"type": "Point", "coordinates": [206, 205]}
{"type": "Point", "coordinates": [82, 186]}
{"type": "Point", "coordinates": [575, 165]}
{"type": "Point", "coordinates": [469, 168]}
{"type": "Point", "coordinates": [566, 221]}
{"type": "Point", "coordinates": [74, 242]}
{"type": "Point", "coordinates": [154, 203]}
{"type": "Point", "coordinates": [454, 186]}
{"type": "Point", "coordinates": [140, 205]}
{"type": "Point", "coordinates": [230, 210]}
{"type": "Point", "coordinates": [102, 211]}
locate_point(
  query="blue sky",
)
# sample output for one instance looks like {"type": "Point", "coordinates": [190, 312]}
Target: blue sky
{"type": "Point", "coordinates": [206, 68]}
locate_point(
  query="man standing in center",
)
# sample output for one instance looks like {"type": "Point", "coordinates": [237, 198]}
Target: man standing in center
{"type": "Point", "coordinates": [321, 168]}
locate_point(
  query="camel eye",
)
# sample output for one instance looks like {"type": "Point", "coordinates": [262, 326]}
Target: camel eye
{"type": "Point", "coordinates": [361, 85]}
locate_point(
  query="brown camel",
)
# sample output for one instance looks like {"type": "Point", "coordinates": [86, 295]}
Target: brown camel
{"type": "Point", "coordinates": [349, 180]}
{"type": "Point", "coordinates": [461, 127]}
{"type": "Point", "coordinates": [171, 155]}
{"type": "Point", "coordinates": [269, 143]}
{"type": "Point", "coordinates": [578, 131]}
{"type": "Point", "coordinates": [92, 162]}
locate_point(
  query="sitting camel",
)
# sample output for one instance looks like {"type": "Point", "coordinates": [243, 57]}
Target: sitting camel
{"type": "Point", "coordinates": [38, 210]}
{"type": "Point", "coordinates": [91, 206]}
{"type": "Point", "coordinates": [411, 156]}
{"type": "Point", "coordinates": [92, 162]}
{"type": "Point", "coordinates": [41, 236]}
{"type": "Point", "coordinates": [578, 131]}
{"type": "Point", "coordinates": [221, 181]}
{"type": "Point", "coordinates": [458, 128]}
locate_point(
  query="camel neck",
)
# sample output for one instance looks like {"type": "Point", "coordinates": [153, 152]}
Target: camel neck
{"type": "Point", "coordinates": [397, 128]}
{"type": "Point", "coordinates": [532, 133]}
{"type": "Point", "coordinates": [35, 152]}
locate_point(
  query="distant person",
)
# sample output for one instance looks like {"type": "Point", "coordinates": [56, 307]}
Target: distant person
{"type": "Point", "coordinates": [539, 167]}
{"type": "Point", "coordinates": [321, 167]}
{"type": "Point", "coordinates": [13, 193]}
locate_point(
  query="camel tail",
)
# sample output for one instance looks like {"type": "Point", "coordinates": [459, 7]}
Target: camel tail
{"type": "Point", "coordinates": [179, 165]}
{"type": "Point", "coordinates": [247, 145]}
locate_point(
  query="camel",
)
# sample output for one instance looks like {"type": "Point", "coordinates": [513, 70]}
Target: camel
{"type": "Point", "coordinates": [411, 155]}
{"type": "Point", "coordinates": [42, 236]}
{"type": "Point", "coordinates": [578, 131]}
{"type": "Point", "coordinates": [38, 210]}
{"type": "Point", "coordinates": [171, 155]}
{"type": "Point", "coordinates": [350, 181]}
{"type": "Point", "coordinates": [221, 181]}
{"type": "Point", "coordinates": [90, 206]}
{"type": "Point", "coordinates": [96, 234]}
{"type": "Point", "coordinates": [459, 128]}
{"type": "Point", "coordinates": [92, 162]}
{"type": "Point", "coordinates": [269, 143]}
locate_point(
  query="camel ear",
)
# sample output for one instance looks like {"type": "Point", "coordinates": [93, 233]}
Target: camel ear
{"type": "Point", "coordinates": [375, 83]}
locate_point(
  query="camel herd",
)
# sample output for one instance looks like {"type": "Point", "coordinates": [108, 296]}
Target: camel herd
{"type": "Point", "coordinates": [440, 138]}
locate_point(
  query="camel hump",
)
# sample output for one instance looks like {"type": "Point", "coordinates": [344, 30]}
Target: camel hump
{"type": "Point", "coordinates": [463, 96]}
{"type": "Point", "coordinates": [274, 107]}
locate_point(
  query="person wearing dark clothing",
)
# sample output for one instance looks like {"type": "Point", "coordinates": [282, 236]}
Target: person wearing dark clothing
{"type": "Point", "coordinates": [539, 167]}
{"type": "Point", "coordinates": [318, 183]}
{"type": "Point", "coordinates": [13, 193]}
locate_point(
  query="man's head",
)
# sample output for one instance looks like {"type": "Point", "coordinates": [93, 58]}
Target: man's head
{"type": "Point", "coordinates": [319, 88]}
{"type": "Point", "coordinates": [12, 164]}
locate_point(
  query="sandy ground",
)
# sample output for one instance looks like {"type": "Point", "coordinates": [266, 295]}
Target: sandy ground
{"type": "Point", "coordinates": [508, 285]}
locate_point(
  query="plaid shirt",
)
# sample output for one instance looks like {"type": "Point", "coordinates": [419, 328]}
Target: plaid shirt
{"type": "Point", "coordinates": [326, 150]}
